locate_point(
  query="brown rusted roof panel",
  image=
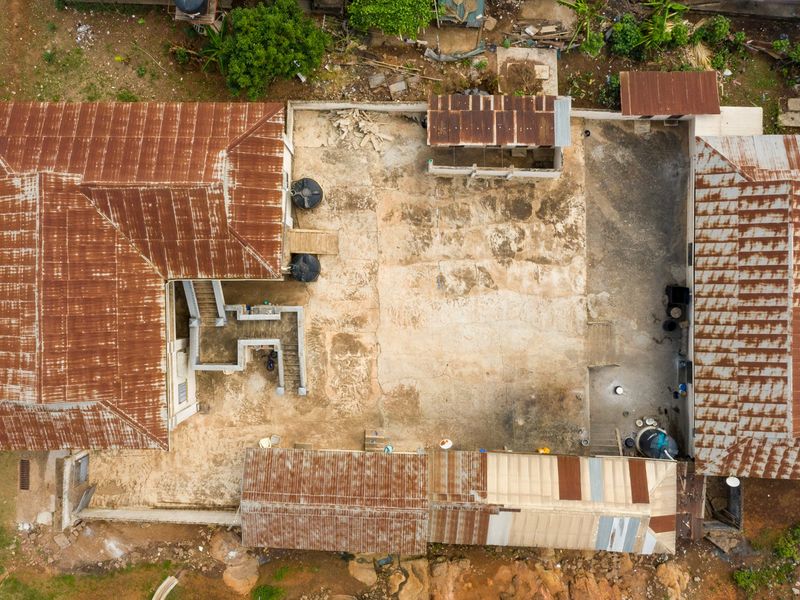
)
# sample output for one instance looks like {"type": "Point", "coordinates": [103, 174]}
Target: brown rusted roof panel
{"type": "Point", "coordinates": [569, 477]}
{"type": "Point", "coordinates": [18, 232]}
{"type": "Point", "coordinates": [649, 93]}
{"type": "Point", "coordinates": [329, 500]}
{"type": "Point", "coordinates": [182, 231]}
{"type": "Point", "coordinates": [460, 523]}
{"type": "Point", "coordinates": [637, 470]}
{"type": "Point", "coordinates": [457, 476]}
{"type": "Point", "coordinates": [99, 204]}
{"type": "Point", "coordinates": [465, 120]}
{"type": "Point", "coordinates": [663, 523]}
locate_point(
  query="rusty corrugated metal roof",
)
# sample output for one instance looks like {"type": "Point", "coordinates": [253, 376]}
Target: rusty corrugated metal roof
{"type": "Point", "coordinates": [99, 205]}
{"type": "Point", "coordinates": [335, 500]}
{"type": "Point", "coordinates": [467, 120]}
{"type": "Point", "coordinates": [650, 93]}
{"type": "Point", "coordinates": [746, 306]}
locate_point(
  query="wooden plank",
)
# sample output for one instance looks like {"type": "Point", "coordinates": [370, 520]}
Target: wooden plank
{"type": "Point", "coordinates": [313, 241]}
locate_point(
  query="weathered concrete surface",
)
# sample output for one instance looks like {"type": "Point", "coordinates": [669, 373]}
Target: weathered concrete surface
{"type": "Point", "coordinates": [636, 245]}
{"type": "Point", "coordinates": [455, 308]}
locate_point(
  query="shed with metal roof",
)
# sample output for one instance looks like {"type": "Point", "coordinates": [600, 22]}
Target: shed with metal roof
{"type": "Point", "coordinates": [669, 94]}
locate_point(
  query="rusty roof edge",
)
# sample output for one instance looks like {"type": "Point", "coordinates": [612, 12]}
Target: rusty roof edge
{"type": "Point", "coordinates": [256, 255]}
{"type": "Point", "coordinates": [163, 444]}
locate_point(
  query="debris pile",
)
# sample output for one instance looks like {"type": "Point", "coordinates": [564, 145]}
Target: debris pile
{"type": "Point", "coordinates": [84, 35]}
{"type": "Point", "coordinates": [356, 129]}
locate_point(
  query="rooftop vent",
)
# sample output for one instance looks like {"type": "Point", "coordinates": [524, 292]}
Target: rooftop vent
{"type": "Point", "coordinates": [305, 267]}
{"type": "Point", "coordinates": [306, 193]}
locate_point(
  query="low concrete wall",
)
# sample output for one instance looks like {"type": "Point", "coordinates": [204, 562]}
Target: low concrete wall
{"type": "Point", "coordinates": [227, 518]}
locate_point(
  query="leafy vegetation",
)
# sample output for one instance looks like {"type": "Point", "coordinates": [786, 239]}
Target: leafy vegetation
{"type": "Point", "coordinates": [266, 42]}
{"type": "Point", "coordinates": [609, 93]}
{"type": "Point", "coordinates": [393, 17]}
{"type": "Point", "coordinates": [657, 29]}
{"type": "Point", "coordinates": [125, 95]}
{"type": "Point", "coordinates": [714, 31]}
{"type": "Point", "coordinates": [779, 568]}
{"type": "Point", "coordinates": [626, 37]}
{"type": "Point", "coordinates": [589, 21]}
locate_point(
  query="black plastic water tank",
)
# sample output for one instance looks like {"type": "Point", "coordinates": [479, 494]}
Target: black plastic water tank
{"type": "Point", "coordinates": [191, 7]}
{"type": "Point", "coordinates": [305, 267]}
{"type": "Point", "coordinates": [306, 193]}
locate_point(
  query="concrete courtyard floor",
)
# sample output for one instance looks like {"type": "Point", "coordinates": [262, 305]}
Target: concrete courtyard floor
{"type": "Point", "coordinates": [455, 308]}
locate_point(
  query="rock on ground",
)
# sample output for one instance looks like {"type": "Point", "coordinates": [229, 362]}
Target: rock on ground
{"type": "Point", "coordinates": [242, 576]}
{"type": "Point", "coordinates": [672, 577]}
{"type": "Point", "coordinates": [417, 583]}
{"type": "Point", "coordinates": [362, 568]}
{"type": "Point", "coordinates": [226, 547]}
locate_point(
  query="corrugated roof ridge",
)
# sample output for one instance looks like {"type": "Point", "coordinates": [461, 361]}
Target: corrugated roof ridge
{"type": "Point", "coordinates": [163, 444]}
{"type": "Point", "coordinates": [277, 106]}
{"type": "Point", "coordinates": [738, 168]}
{"type": "Point", "coordinates": [249, 249]}
{"type": "Point", "coordinates": [82, 189]}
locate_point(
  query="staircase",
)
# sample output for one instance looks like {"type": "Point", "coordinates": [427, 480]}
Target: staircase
{"type": "Point", "coordinates": [204, 291]}
{"type": "Point", "coordinates": [603, 440]}
{"type": "Point", "coordinates": [291, 364]}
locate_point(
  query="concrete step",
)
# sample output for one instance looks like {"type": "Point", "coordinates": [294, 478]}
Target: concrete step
{"type": "Point", "coordinates": [601, 344]}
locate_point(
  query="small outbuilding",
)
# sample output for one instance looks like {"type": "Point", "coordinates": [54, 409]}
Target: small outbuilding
{"type": "Point", "coordinates": [668, 95]}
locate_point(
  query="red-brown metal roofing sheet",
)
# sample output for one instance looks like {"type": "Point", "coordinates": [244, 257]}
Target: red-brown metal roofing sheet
{"type": "Point", "coordinates": [637, 471]}
{"type": "Point", "coordinates": [745, 306]}
{"type": "Point", "coordinates": [649, 93]}
{"type": "Point", "coordinates": [457, 476]}
{"type": "Point", "coordinates": [329, 500]}
{"type": "Point", "coordinates": [18, 341]}
{"type": "Point", "coordinates": [460, 523]}
{"type": "Point", "coordinates": [151, 143]}
{"type": "Point", "coordinates": [84, 255]}
{"type": "Point", "coordinates": [569, 477]}
{"type": "Point", "coordinates": [466, 120]}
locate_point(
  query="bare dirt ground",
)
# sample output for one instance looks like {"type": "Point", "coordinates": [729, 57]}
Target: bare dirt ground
{"type": "Point", "coordinates": [453, 309]}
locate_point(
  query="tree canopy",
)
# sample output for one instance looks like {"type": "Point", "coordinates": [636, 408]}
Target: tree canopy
{"type": "Point", "coordinates": [393, 17]}
{"type": "Point", "coordinates": [265, 42]}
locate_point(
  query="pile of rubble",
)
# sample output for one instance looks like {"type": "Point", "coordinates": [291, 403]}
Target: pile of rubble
{"type": "Point", "coordinates": [355, 129]}
{"type": "Point", "coordinates": [84, 35]}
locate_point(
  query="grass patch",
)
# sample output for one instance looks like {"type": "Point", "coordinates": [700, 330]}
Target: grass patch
{"type": "Point", "coordinates": [49, 56]}
{"type": "Point", "coordinates": [126, 95]}
{"type": "Point", "coordinates": [778, 568]}
{"type": "Point", "coordinates": [281, 573]}
{"type": "Point", "coordinates": [268, 592]}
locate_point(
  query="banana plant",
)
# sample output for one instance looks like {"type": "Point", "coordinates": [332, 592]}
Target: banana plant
{"type": "Point", "coordinates": [588, 16]}
{"type": "Point", "coordinates": [657, 28]}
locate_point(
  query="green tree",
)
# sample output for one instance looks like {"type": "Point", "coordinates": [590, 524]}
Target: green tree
{"type": "Point", "coordinates": [263, 43]}
{"type": "Point", "coordinates": [393, 17]}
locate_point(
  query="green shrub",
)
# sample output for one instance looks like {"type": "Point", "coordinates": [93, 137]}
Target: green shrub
{"type": "Point", "coordinates": [49, 56]}
{"type": "Point", "coordinates": [393, 17]}
{"type": "Point", "coordinates": [714, 32]}
{"type": "Point", "coordinates": [679, 34]}
{"type": "Point", "coordinates": [141, 71]}
{"type": "Point", "coordinates": [781, 45]}
{"type": "Point", "coordinates": [263, 43]}
{"type": "Point", "coordinates": [739, 40]}
{"type": "Point", "coordinates": [593, 43]}
{"type": "Point", "coordinates": [182, 56]}
{"type": "Point", "coordinates": [626, 37]}
{"type": "Point", "coordinates": [720, 59]}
